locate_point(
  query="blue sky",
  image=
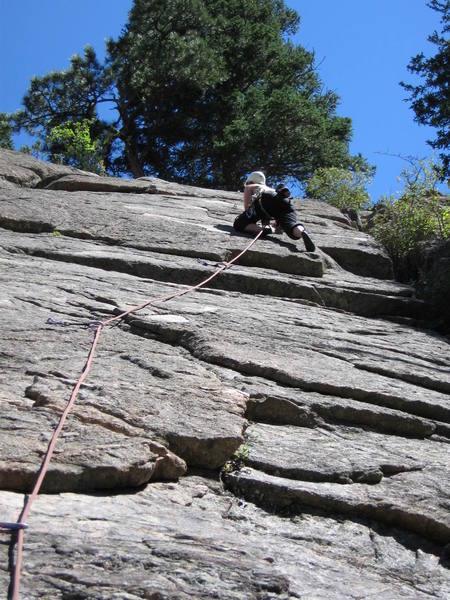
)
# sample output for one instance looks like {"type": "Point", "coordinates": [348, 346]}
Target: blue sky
{"type": "Point", "coordinates": [362, 48]}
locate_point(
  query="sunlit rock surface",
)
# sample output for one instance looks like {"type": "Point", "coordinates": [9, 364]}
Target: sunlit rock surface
{"type": "Point", "coordinates": [281, 433]}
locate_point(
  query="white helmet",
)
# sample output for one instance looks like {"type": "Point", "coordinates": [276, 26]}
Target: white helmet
{"type": "Point", "coordinates": [256, 177]}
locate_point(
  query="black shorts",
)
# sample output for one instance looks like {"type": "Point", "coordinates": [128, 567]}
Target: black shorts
{"type": "Point", "coordinates": [286, 221]}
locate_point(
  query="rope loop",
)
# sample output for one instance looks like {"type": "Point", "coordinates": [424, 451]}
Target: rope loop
{"type": "Point", "coordinates": [13, 526]}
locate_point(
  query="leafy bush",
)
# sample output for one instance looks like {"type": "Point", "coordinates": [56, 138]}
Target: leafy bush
{"type": "Point", "coordinates": [420, 213]}
{"type": "Point", "coordinates": [71, 144]}
{"type": "Point", "coordinates": [340, 187]}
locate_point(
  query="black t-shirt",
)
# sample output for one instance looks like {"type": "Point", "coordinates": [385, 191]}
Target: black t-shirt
{"type": "Point", "coordinates": [276, 205]}
{"type": "Point", "coordinates": [279, 208]}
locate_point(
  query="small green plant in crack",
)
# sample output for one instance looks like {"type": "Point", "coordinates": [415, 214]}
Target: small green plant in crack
{"type": "Point", "coordinates": [237, 461]}
{"type": "Point", "coordinates": [56, 233]}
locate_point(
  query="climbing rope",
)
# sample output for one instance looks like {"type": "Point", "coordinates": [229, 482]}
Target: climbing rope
{"type": "Point", "coordinates": [20, 526]}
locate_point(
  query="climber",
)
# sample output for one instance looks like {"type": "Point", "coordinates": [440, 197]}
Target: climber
{"type": "Point", "coordinates": [273, 204]}
{"type": "Point", "coordinates": [255, 185]}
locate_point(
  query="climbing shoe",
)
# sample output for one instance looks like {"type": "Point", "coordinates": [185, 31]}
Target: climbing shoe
{"type": "Point", "coordinates": [309, 244]}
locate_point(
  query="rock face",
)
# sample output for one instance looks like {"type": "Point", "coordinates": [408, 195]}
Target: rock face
{"type": "Point", "coordinates": [282, 432]}
{"type": "Point", "coordinates": [433, 264]}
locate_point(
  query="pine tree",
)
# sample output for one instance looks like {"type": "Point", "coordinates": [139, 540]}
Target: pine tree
{"type": "Point", "coordinates": [5, 132]}
{"type": "Point", "coordinates": [204, 92]}
{"type": "Point", "coordinates": [431, 99]}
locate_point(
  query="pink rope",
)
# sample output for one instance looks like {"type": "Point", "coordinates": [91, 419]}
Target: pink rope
{"type": "Point", "coordinates": [20, 526]}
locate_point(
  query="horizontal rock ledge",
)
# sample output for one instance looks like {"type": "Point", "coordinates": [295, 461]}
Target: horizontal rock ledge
{"type": "Point", "coordinates": [355, 501]}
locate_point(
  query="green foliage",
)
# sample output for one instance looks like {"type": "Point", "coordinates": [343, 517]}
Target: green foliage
{"type": "Point", "coordinates": [238, 460]}
{"type": "Point", "coordinates": [6, 132]}
{"type": "Point", "coordinates": [203, 91]}
{"type": "Point", "coordinates": [419, 213]}
{"type": "Point", "coordinates": [214, 89]}
{"type": "Point", "coordinates": [431, 99]}
{"type": "Point", "coordinates": [36, 150]}
{"type": "Point", "coordinates": [340, 187]}
{"type": "Point", "coordinates": [61, 97]}
{"type": "Point", "coordinates": [71, 144]}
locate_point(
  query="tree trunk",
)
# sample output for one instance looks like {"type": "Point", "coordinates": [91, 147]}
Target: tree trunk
{"type": "Point", "coordinates": [133, 162]}
{"type": "Point", "coordinates": [127, 137]}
